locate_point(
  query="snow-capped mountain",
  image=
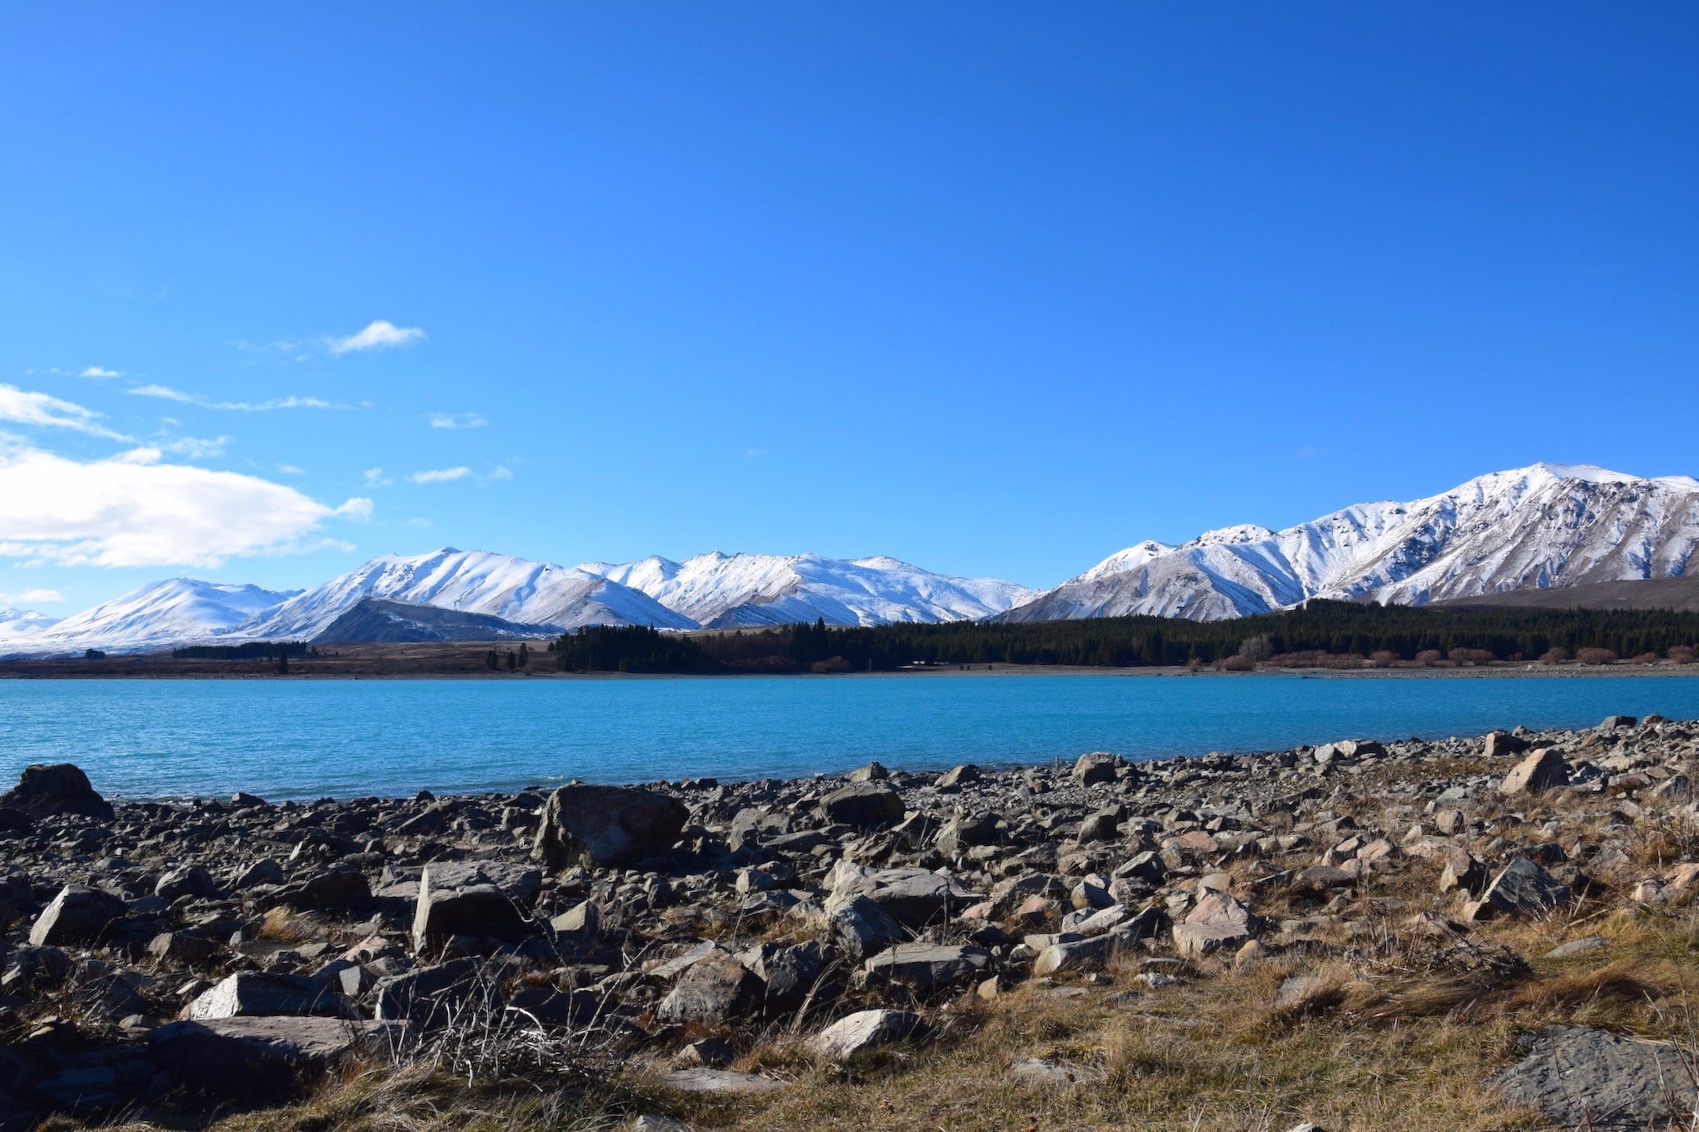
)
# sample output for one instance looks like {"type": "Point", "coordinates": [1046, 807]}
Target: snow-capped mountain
{"type": "Point", "coordinates": [718, 590]}
{"type": "Point", "coordinates": [1543, 526]}
{"type": "Point", "coordinates": [469, 581]}
{"type": "Point", "coordinates": [176, 611]}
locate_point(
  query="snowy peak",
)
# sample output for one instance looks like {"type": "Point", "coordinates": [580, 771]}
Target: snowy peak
{"type": "Point", "coordinates": [1546, 525]}
{"type": "Point", "coordinates": [719, 590]}
{"type": "Point", "coordinates": [158, 615]}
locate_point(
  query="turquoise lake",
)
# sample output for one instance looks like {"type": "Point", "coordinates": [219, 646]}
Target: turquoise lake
{"type": "Point", "coordinates": [348, 738]}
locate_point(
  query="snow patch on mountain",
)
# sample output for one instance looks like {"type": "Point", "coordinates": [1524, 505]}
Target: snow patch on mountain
{"type": "Point", "coordinates": [1547, 525]}
{"type": "Point", "coordinates": [172, 612]}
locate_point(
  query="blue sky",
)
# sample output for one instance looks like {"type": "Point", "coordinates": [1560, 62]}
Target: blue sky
{"type": "Point", "coordinates": [995, 288]}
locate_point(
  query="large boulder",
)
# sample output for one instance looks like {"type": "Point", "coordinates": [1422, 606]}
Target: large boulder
{"type": "Point", "coordinates": [429, 998]}
{"type": "Point", "coordinates": [1581, 1078]}
{"type": "Point", "coordinates": [716, 989]}
{"type": "Point", "coordinates": [1520, 887]}
{"type": "Point", "coordinates": [864, 806]}
{"type": "Point", "coordinates": [253, 1061]}
{"type": "Point", "coordinates": [611, 825]}
{"type": "Point", "coordinates": [859, 926]}
{"type": "Point", "coordinates": [260, 993]}
{"type": "Point", "coordinates": [78, 915]}
{"type": "Point", "coordinates": [790, 973]}
{"type": "Point", "coordinates": [1542, 770]}
{"type": "Point", "coordinates": [1218, 922]}
{"type": "Point", "coordinates": [927, 965]}
{"type": "Point", "coordinates": [1099, 766]}
{"type": "Point", "coordinates": [916, 898]}
{"type": "Point", "coordinates": [61, 788]}
{"type": "Point", "coordinates": [486, 899]}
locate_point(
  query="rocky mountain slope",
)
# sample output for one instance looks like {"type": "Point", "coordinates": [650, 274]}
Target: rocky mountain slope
{"type": "Point", "coordinates": [1539, 527]}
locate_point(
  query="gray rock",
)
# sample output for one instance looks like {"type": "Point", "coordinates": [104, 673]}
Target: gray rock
{"type": "Point", "coordinates": [1587, 945]}
{"type": "Point", "coordinates": [78, 915]}
{"type": "Point", "coordinates": [1501, 744]}
{"type": "Point", "coordinates": [485, 899]}
{"type": "Point", "coordinates": [1617, 722]}
{"type": "Point", "coordinates": [960, 776]}
{"type": "Point", "coordinates": [612, 825]}
{"type": "Point", "coordinates": [1041, 1073]}
{"type": "Point", "coordinates": [873, 772]}
{"type": "Point", "coordinates": [863, 806]}
{"type": "Point", "coordinates": [1089, 770]}
{"type": "Point", "coordinates": [962, 834]}
{"type": "Point", "coordinates": [859, 926]}
{"type": "Point", "coordinates": [719, 1081]}
{"type": "Point", "coordinates": [251, 1061]}
{"type": "Point", "coordinates": [1104, 825]}
{"type": "Point", "coordinates": [866, 1030]}
{"type": "Point", "coordinates": [914, 897]}
{"type": "Point", "coordinates": [336, 890]}
{"type": "Point", "coordinates": [255, 993]}
{"type": "Point", "coordinates": [790, 973]}
{"type": "Point", "coordinates": [1520, 887]}
{"type": "Point", "coordinates": [266, 871]}
{"type": "Point", "coordinates": [716, 988]}
{"type": "Point", "coordinates": [61, 788]}
{"type": "Point", "coordinates": [927, 965]}
{"type": "Point", "coordinates": [1542, 770]}
{"type": "Point", "coordinates": [192, 880]}
{"type": "Point", "coordinates": [1219, 921]}
{"type": "Point", "coordinates": [1587, 1078]}
{"type": "Point", "coordinates": [428, 998]}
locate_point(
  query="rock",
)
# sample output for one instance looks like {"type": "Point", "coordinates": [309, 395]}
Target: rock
{"type": "Point", "coordinates": [1071, 954]}
{"type": "Point", "coordinates": [790, 973]}
{"type": "Point", "coordinates": [1462, 871]}
{"type": "Point", "coordinates": [1219, 921]}
{"type": "Point", "coordinates": [960, 776]}
{"type": "Point", "coordinates": [915, 898]}
{"type": "Point", "coordinates": [866, 1030]}
{"type": "Point", "coordinates": [1521, 886]}
{"type": "Point", "coordinates": [265, 871]}
{"type": "Point", "coordinates": [962, 834]}
{"type": "Point", "coordinates": [1586, 945]}
{"type": "Point", "coordinates": [715, 989]}
{"type": "Point", "coordinates": [250, 1061]}
{"type": "Point", "coordinates": [14, 820]}
{"type": "Point", "coordinates": [336, 890]}
{"type": "Point", "coordinates": [873, 772]}
{"type": "Point", "coordinates": [1587, 1078]}
{"type": "Point", "coordinates": [1104, 825]}
{"type": "Point", "coordinates": [1089, 770]}
{"type": "Point", "coordinates": [61, 788]}
{"type": "Point", "coordinates": [1040, 1073]}
{"type": "Point", "coordinates": [1500, 744]}
{"type": "Point", "coordinates": [612, 825]}
{"type": "Point", "coordinates": [250, 993]}
{"type": "Point", "coordinates": [927, 965]}
{"type": "Point", "coordinates": [859, 926]}
{"type": "Point", "coordinates": [864, 806]}
{"type": "Point", "coordinates": [78, 915]}
{"type": "Point", "coordinates": [704, 1053]}
{"type": "Point", "coordinates": [1617, 722]}
{"type": "Point", "coordinates": [650, 1123]}
{"type": "Point", "coordinates": [485, 899]}
{"type": "Point", "coordinates": [1542, 770]}
{"type": "Point", "coordinates": [192, 880]}
{"type": "Point", "coordinates": [719, 1081]}
{"type": "Point", "coordinates": [431, 997]}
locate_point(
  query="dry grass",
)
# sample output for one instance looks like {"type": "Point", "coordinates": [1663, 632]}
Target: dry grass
{"type": "Point", "coordinates": [281, 926]}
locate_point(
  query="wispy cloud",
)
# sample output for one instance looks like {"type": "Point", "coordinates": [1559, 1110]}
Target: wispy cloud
{"type": "Point", "coordinates": [195, 447]}
{"type": "Point", "coordinates": [290, 470]}
{"type": "Point", "coordinates": [418, 521]}
{"type": "Point", "coordinates": [754, 453]}
{"type": "Point", "coordinates": [440, 475]}
{"type": "Point", "coordinates": [379, 335]}
{"type": "Point", "coordinates": [31, 597]}
{"type": "Point", "coordinates": [497, 474]}
{"type": "Point", "coordinates": [100, 372]}
{"type": "Point", "coordinates": [166, 393]}
{"type": "Point", "coordinates": [135, 510]}
{"type": "Point", "coordinates": [22, 406]}
{"type": "Point", "coordinates": [376, 478]}
{"type": "Point", "coordinates": [457, 420]}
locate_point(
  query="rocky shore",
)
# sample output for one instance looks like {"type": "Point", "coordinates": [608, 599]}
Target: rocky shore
{"type": "Point", "coordinates": [1508, 915]}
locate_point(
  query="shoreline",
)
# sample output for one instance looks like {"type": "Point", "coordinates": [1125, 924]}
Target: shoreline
{"type": "Point", "coordinates": [723, 958]}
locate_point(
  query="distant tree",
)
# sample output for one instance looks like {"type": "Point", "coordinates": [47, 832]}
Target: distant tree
{"type": "Point", "coordinates": [1258, 648]}
{"type": "Point", "coordinates": [283, 664]}
{"type": "Point", "coordinates": [93, 654]}
{"type": "Point", "coordinates": [512, 660]}
{"type": "Point", "coordinates": [524, 654]}
{"type": "Point", "coordinates": [492, 661]}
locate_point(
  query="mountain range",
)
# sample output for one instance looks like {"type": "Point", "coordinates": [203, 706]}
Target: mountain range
{"type": "Point", "coordinates": [1542, 527]}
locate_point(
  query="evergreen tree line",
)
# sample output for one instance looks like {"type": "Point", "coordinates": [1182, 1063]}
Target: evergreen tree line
{"type": "Point", "coordinates": [1320, 627]}
{"type": "Point", "coordinates": [251, 650]}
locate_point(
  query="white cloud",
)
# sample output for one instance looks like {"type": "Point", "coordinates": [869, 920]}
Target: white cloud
{"type": "Point", "coordinates": [31, 597]}
{"type": "Point", "coordinates": [134, 510]}
{"type": "Point", "coordinates": [290, 470]}
{"type": "Point", "coordinates": [101, 372]}
{"type": "Point", "coordinates": [20, 406]}
{"type": "Point", "coordinates": [418, 521]}
{"type": "Point", "coordinates": [754, 453]}
{"type": "Point", "coordinates": [457, 420]}
{"type": "Point", "coordinates": [379, 335]}
{"type": "Point", "coordinates": [195, 447]}
{"type": "Point", "coordinates": [166, 393]}
{"type": "Point", "coordinates": [499, 473]}
{"type": "Point", "coordinates": [376, 478]}
{"type": "Point", "coordinates": [440, 475]}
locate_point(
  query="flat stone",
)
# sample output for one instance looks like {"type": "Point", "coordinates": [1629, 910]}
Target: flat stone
{"type": "Point", "coordinates": [1041, 1073]}
{"type": "Point", "coordinates": [866, 1030]}
{"type": "Point", "coordinates": [486, 899]}
{"type": "Point", "coordinates": [611, 825]}
{"type": "Point", "coordinates": [1542, 770]}
{"type": "Point", "coordinates": [250, 993]}
{"type": "Point", "coordinates": [719, 1081]}
{"type": "Point", "coordinates": [915, 898]}
{"type": "Point", "coordinates": [1587, 1078]}
{"type": "Point", "coordinates": [252, 1061]}
{"type": "Point", "coordinates": [928, 964]}
{"type": "Point", "coordinates": [77, 915]}
{"type": "Point", "coordinates": [1219, 921]}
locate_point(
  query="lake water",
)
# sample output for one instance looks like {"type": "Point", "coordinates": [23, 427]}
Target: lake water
{"type": "Point", "coordinates": [347, 738]}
